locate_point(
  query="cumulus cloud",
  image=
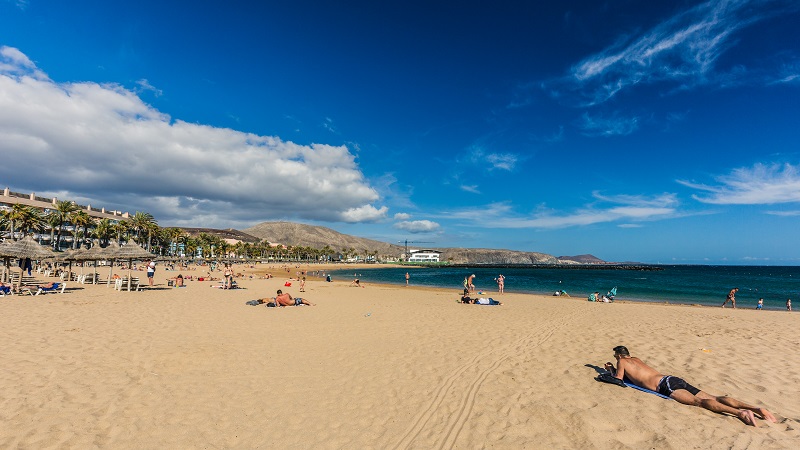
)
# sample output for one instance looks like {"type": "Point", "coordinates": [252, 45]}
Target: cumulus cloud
{"type": "Point", "coordinates": [758, 185]}
{"type": "Point", "coordinates": [417, 226]}
{"type": "Point", "coordinates": [402, 216]}
{"type": "Point", "coordinates": [101, 142]}
{"type": "Point", "coordinates": [683, 50]}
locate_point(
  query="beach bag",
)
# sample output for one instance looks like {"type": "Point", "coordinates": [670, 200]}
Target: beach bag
{"type": "Point", "coordinates": [606, 377]}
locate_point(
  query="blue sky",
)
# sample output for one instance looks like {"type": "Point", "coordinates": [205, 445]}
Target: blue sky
{"type": "Point", "coordinates": [664, 131]}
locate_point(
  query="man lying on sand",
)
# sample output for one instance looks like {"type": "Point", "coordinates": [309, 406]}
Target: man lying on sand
{"type": "Point", "coordinates": [287, 300]}
{"type": "Point", "coordinates": [645, 376]}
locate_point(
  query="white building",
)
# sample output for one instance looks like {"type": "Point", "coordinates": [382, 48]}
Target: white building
{"type": "Point", "coordinates": [424, 256]}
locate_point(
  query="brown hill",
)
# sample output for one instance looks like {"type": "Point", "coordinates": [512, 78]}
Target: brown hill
{"type": "Point", "coordinates": [493, 256]}
{"type": "Point", "coordinates": [581, 259]}
{"type": "Point", "coordinates": [290, 233]}
{"type": "Point", "coordinates": [228, 233]}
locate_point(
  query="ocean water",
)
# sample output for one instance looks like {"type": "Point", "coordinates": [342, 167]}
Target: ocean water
{"type": "Point", "coordinates": [705, 285]}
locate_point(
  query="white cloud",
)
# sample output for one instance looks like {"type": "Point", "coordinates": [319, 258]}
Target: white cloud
{"type": "Point", "coordinates": [103, 143]}
{"type": "Point", "coordinates": [402, 216]}
{"type": "Point", "coordinates": [473, 188]}
{"type": "Point", "coordinates": [145, 85]}
{"type": "Point", "coordinates": [625, 208]}
{"type": "Point", "coordinates": [328, 125]}
{"type": "Point", "coordinates": [418, 226]}
{"type": "Point", "coordinates": [783, 213]}
{"type": "Point", "coordinates": [504, 161]}
{"type": "Point", "coordinates": [683, 50]}
{"type": "Point", "coordinates": [608, 126]}
{"type": "Point", "coordinates": [366, 213]}
{"type": "Point", "coordinates": [757, 185]}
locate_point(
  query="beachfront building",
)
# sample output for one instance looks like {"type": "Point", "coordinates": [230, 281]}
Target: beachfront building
{"type": "Point", "coordinates": [429, 256]}
{"type": "Point", "coordinates": [67, 232]}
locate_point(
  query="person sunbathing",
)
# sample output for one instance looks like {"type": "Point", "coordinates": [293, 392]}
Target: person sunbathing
{"type": "Point", "coordinates": [645, 376]}
{"type": "Point", "coordinates": [287, 300]}
{"type": "Point", "coordinates": [466, 298]}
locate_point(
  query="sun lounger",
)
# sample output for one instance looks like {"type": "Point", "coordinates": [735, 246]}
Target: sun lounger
{"type": "Point", "coordinates": [58, 288]}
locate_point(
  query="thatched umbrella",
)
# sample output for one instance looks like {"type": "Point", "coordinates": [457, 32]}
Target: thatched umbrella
{"type": "Point", "coordinates": [129, 251]}
{"type": "Point", "coordinates": [26, 247]}
{"type": "Point", "coordinates": [109, 253]}
{"type": "Point", "coordinates": [81, 254]}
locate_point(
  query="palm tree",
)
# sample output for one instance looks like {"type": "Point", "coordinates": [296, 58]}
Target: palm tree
{"type": "Point", "coordinates": [103, 230]}
{"type": "Point", "coordinates": [62, 213]}
{"type": "Point", "coordinates": [122, 228]}
{"type": "Point", "coordinates": [172, 234]}
{"type": "Point", "coordinates": [142, 223]}
{"type": "Point", "coordinates": [23, 218]}
{"type": "Point", "coordinates": [80, 219]}
{"type": "Point", "coordinates": [190, 246]}
{"type": "Point", "coordinates": [184, 239]}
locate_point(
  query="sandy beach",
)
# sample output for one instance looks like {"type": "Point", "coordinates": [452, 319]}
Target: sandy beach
{"type": "Point", "coordinates": [382, 367]}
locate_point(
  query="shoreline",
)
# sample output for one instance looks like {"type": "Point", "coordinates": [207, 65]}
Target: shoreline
{"type": "Point", "coordinates": [549, 294]}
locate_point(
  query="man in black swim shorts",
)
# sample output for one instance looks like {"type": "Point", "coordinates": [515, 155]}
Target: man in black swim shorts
{"type": "Point", "coordinates": [642, 375]}
{"type": "Point", "coordinates": [670, 384]}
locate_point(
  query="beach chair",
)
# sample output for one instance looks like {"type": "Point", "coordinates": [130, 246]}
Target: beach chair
{"type": "Point", "coordinates": [58, 288]}
{"type": "Point", "coordinates": [121, 284]}
{"type": "Point", "coordinates": [5, 290]}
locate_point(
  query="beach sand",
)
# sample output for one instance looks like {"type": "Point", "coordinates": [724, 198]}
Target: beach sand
{"type": "Point", "coordinates": [381, 367]}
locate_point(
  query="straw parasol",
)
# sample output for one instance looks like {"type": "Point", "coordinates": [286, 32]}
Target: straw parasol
{"type": "Point", "coordinates": [110, 252]}
{"type": "Point", "coordinates": [26, 247]}
{"type": "Point", "coordinates": [129, 251]}
{"type": "Point", "coordinates": [82, 254]}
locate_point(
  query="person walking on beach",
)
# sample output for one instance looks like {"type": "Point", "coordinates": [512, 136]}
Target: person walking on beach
{"type": "Point", "coordinates": [468, 285]}
{"type": "Point", "coordinates": [501, 283]}
{"type": "Point", "coordinates": [303, 285]}
{"type": "Point", "coordinates": [676, 388]}
{"type": "Point", "coordinates": [731, 297]}
{"type": "Point", "coordinates": [760, 304]}
{"type": "Point", "coordinates": [788, 304]}
{"type": "Point", "coordinates": [407, 277]}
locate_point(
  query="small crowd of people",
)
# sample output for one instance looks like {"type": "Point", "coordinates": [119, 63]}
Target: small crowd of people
{"type": "Point", "coordinates": [731, 297]}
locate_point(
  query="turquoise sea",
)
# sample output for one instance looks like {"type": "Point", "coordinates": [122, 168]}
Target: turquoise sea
{"type": "Point", "coordinates": [705, 285]}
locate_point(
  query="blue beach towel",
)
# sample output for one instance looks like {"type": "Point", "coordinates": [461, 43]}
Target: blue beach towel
{"type": "Point", "coordinates": [606, 377]}
{"type": "Point", "coordinates": [647, 390]}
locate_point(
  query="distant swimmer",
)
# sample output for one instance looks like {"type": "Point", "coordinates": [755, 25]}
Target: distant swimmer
{"type": "Point", "coordinates": [731, 297]}
{"type": "Point", "coordinates": [676, 388]}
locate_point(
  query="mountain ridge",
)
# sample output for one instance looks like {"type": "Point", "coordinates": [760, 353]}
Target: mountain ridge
{"type": "Point", "coordinates": [294, 234]}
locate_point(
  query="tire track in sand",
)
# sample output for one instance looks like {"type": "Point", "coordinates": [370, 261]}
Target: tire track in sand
{"type": "Point", "coordinates": [494, 359]}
